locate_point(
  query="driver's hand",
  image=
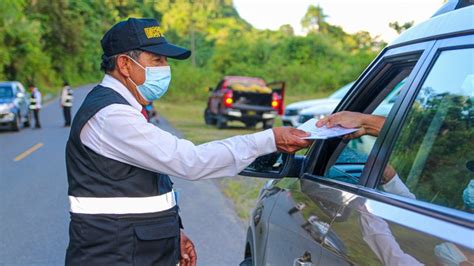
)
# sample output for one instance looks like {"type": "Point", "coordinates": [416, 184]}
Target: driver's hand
{"type": "Point", "coordinates": [289, 140]}
{"type": "Point", "coordinates": [367, 124]}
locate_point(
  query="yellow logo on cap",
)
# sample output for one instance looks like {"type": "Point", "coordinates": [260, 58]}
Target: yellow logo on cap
{"type": "Point", "coordinates": [153, 32]}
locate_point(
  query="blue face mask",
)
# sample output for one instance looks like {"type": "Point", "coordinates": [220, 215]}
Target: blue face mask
{"type": "Point", "coordinates": [468, 195]}
{"type": "Point", "coordinates": [157, 80]}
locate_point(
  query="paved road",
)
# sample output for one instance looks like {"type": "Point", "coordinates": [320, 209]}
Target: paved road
{"type": "Point", "coordinates": [34, 209]}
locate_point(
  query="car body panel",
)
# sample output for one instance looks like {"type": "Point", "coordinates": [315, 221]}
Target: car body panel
{"type": "Point", "coordinates": [294, 110]}
{"type": "Point", "coordinates": [448, 23]}
{"type": "Point", "coordinates": [376, 232]}
{"type": "Point", "coordinates": [318, 111]}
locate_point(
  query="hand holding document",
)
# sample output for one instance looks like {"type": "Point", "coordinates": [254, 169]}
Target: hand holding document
{"type": "Point", "coordinates": [324, 132]}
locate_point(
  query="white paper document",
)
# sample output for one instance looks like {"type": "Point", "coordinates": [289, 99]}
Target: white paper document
{"type": "Point", "coordinates": [324, 132]}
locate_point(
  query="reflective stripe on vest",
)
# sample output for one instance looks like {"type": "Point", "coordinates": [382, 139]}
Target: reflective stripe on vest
{"type": "Point", "coordinates": [68, 99]}
{"type": "Point", "coordinates": [122, 205]}
{"type": "Point", "coordinates": [32, 103]}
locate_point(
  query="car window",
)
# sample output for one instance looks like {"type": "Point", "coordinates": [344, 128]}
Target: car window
{"type": "Point", "coordinates": [433, 157]}
{"type": "Point", "coordinates": [352, 156]}
{"type": "Point", "coordinates": [6, 92]}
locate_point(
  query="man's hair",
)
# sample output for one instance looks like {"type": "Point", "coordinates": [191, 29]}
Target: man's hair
{"type": "Point", "coordinates": [110, 62]}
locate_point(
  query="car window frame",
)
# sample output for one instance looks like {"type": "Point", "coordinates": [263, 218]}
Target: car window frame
{"type": "Point", "coordinates": [353, 99]}
{"type": "Point", "coordinates": [379, 155]}
{"type": "Point", "coordinates": [391, 134]}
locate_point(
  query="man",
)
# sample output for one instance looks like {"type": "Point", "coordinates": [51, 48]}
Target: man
{"type": "Point", "coordinates": [66, 103]}
{"type": "Point", "coordinates": [35, 104]}
{"type": "Point", "coordinates": [123, 208]}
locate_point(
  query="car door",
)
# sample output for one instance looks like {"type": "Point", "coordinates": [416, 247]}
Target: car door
{"type": "Point", "coordinates": [216, 98]}
{"type": "Point", "coordinates": [22, 99]}
{"type": "Point", "coordinates": [413, 209]}
{"type": "Point", "coordinates": [299, 227]}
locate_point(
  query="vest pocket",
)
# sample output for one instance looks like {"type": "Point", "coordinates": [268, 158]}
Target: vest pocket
{"type": "Point", "coordinates": [157, 243]}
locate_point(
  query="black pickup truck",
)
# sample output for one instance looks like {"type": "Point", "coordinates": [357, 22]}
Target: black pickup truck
{"type": "Point", "coordinates": [246, 99]}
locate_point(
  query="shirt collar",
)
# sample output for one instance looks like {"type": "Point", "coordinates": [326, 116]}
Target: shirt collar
{"type": "Point", "coordinates": [116, 85]}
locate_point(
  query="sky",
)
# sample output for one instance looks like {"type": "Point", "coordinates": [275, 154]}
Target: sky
{"type": "Point", "coordinates": [369, 15]}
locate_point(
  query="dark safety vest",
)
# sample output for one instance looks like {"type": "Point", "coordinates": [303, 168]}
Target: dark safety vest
{"type": "Point", "coordinates": [111, 221]}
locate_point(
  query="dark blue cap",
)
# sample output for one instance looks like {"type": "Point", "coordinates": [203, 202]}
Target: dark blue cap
{"type": "Point", "coordinates": [140, 34]}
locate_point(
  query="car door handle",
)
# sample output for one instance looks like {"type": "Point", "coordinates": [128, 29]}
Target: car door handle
{"type": "Point", "coordinates": [304, 260]}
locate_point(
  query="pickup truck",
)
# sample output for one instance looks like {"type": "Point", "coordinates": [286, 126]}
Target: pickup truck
{"type": "Point", "coordinates": [246, 99]}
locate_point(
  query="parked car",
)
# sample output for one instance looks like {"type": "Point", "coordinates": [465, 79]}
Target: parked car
{"type": "Point", "coordinates": [292, 111]}
{"type": "Point", "coordinates": [14, 102]}
{"type": "Point", "coordinates": [408, 200]}
{"type": "Point", "coordinates": [246, 99]}
{"type": "Point", "coordinates": [322, 110]}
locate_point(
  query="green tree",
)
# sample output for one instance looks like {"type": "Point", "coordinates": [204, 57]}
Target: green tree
{"type": "Point", "coordinates": [399, 27]}
{"type": "Point", "coordinates": [314, 20]}
{"type": "Point", "coordinates": [287, 30]}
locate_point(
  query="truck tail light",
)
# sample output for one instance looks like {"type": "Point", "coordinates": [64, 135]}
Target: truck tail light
{"type": "Point", "coordinates": [277, 103]}
{"type": "Point", "coordinates": [228, 99]}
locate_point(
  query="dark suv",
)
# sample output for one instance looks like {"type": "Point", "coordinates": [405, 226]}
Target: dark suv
{"type": "Point", "coordinates": [14, 102]}
{"type": "Point", "coordinates": [405, 197]}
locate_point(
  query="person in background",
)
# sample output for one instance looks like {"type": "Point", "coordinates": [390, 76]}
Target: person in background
{"type": "Point", "coordinates": [66, 103]}
{"type": "Point", "coordinates": [35, 104]}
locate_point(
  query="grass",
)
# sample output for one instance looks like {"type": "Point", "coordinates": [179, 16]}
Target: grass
{"type": "Point", "coordinates": [187, 117]}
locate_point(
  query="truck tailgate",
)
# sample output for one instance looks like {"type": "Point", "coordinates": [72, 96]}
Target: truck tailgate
{"type": "Point", "coordinates": [247, 99]}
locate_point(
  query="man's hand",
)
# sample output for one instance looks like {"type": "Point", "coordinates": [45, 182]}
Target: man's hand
{"type": "Point", "coordinates": [288, 139]}
{"type": "Point", "coordinates": [368, 124]}
{"type": "Point", "coordinates": [188, 253]}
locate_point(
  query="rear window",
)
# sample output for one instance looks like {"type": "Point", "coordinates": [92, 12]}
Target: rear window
{"type": "Point", "coordinates": [6, 92]}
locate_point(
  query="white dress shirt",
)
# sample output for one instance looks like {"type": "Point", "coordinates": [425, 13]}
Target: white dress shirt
{"type": "Point", "coordinates": [121, 132]}
{"type": "Point", "coordinates": [37, 95]}
{"type": "Point", "coordinates": [65, 97]}
{"type": "Point", "coordinates": [397, 187]}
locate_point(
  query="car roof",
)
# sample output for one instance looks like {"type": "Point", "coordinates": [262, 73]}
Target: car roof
{"type": "Point", "coordinates": [442, 24]}
{"type": "Point", "coordinates": [8, 83]}
{"type": "Point", "coordinates": [241, 77]}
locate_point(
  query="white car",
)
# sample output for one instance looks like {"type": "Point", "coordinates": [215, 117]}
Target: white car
{"type": "Point", "coordinates": [326, 108]}
{"type": "Point", "coordinates": [292, 111]}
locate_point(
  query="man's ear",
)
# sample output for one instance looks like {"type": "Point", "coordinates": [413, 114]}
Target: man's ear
{"type": "Point", "coordinates": [123, 66]}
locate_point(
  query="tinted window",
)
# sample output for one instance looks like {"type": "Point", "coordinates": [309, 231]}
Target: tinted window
{"type": "Point", "coordinates": [6, 92]}
{"type": "Point", "coordinates": [433, 158]}
{"type": "Point", "coordinates": [351, 160]}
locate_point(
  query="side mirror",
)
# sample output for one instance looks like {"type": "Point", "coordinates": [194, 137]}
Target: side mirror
{"type": "Point", "coordinates": [20, 95]}
{"type": "Point", "coordinates": [275, 166]}
{"type": "Point", "coordinates": [209, 89]}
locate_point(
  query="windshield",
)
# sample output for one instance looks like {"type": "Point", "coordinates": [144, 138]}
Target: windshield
{"type": "Point", "coordinates": [339, 94]}
{"type": "Point", "coordinates": [6, 92]}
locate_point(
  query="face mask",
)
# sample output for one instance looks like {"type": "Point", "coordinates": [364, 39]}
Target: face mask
{"type": "Point", "coordinates": [157, 80]}
{"type": "Point", "coordinates": [448, 254]}
{"type": "Point", "coordinates": [468, 195]}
